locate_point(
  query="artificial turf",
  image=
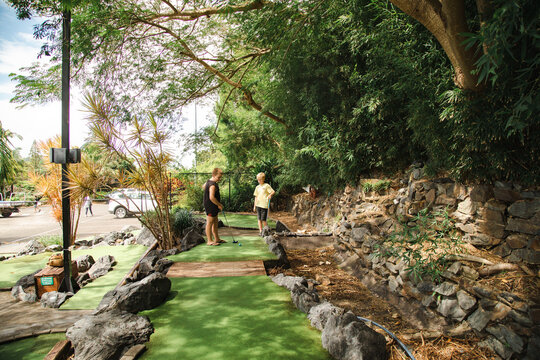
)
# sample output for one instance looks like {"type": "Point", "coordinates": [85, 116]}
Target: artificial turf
{"type": "Point", "coordinates": [237, 318]}
{"type": "Point", "coordinates": [13, 269]}
{"type": "Point", "coordinates": [244, 221]}
{"type": "Point", "coordinates": [248, 248]}
{"type": "Point", "coordinates": [33, 348]}
{"type": "Point", "coordinates": [90, 295]}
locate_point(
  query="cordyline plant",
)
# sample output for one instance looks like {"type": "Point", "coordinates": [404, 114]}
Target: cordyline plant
{"type": "Point", "coordinates": [84, 179]}
{"type": "Point", "coordinates": [143, 141]}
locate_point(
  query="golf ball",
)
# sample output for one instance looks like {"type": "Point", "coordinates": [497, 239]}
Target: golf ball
{"type": "Point", "coordinates": [239, 244]}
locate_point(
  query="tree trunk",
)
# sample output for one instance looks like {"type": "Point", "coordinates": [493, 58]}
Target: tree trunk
{"type": "Point", "coordinates": [446, 20]}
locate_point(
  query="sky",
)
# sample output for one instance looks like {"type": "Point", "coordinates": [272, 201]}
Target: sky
{"type": "Point", "coordinates": [18, 49]}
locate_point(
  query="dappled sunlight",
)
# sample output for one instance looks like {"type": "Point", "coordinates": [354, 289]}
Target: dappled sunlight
{"type": "Point", "coordinates": [231, 318]}
{"type": "Point", "coordinates": [251, 248]}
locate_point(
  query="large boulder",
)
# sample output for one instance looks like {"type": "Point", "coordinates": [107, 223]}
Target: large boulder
{"type": "Point", "coordinates": [138, 296]}
{"type": "Point", "coordinates": [54, 299]}
{"type": "Point", "coordinates": [112, 237]}
{"type": "Point", "coordinates": [279, 251]}
{"type": "Point", "coordinates": [23, 290]}
{"type": "Point", "coordinates": [281, 227]}
{"type": "Point", "coordinates": [304, 298]}
{"type": "Point", "coordinates": [151, 263]}
{"type": "Point", "coordinates": [102, 266]}
{"type": "Point", "coordinates": [191, 239]}
{"type": "Point", "coordinates": [346, 337]}
{"type": "Point", "coordinates": [32, 247]}
{"type": "Point", "coordinates": [145, 237]}
{"type": "Point", "coordinates": [289, 281]}
{"type": "Point", "coordinates": [108, 335]}
{"type": "Point", "coordinates": [319, 314]}
{"type": "Point", "coordinates": [84, 263]}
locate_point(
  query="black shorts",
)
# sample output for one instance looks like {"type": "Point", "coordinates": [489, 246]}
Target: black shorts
{"type": "Point", "coordinates": [262, 213]}
{"type": "Point", "coordinates": [212, 212]}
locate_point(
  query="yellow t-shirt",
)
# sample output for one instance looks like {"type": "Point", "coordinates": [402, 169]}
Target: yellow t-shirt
{"type": "Point", "coordinates": [261, 193]}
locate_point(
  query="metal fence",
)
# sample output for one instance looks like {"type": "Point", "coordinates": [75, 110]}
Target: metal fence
{"type": "Point", "coordinates": [227, 179]}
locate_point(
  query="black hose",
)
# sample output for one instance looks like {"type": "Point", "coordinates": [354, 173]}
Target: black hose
{"type": "Point", "coordinates": [392, 335]}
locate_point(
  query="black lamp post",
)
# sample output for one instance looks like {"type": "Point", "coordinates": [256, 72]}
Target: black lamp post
{"type": "Point", "coordinates": [65, 155]}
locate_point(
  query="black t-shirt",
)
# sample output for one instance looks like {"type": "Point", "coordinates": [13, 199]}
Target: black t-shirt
{"type": "Point", "coordinates": [209, 206]}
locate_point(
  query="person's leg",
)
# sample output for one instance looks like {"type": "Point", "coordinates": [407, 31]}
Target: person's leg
{"type": "Point", "coordinates": [264, 217]}
{"type": "Point", "coordinates": [215, 230]}
{"type": "Point", "coordinates": [209, 225]}
{"type": "Point", "coordinates": [90, 208]}
{"type": "Point", "coordinates": [259, 219]}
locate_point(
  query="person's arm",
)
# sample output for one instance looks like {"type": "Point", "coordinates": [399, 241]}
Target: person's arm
{"type": "Point", "coordinates": [271, 192]}
{"type": "Point", "coordinates": [255, 200]}
{"type": "Point", "coordinates": [213, 197]}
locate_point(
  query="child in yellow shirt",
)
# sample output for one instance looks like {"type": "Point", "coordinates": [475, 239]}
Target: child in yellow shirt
{"type": "Point", "coordinates": [263, 193]}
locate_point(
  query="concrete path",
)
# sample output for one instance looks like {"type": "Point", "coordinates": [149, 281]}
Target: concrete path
{"type": "Point", "coordinates": [21, 227]}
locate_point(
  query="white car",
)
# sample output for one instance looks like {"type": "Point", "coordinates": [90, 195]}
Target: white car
{"type": "Point", "coordinates": [126, 202]}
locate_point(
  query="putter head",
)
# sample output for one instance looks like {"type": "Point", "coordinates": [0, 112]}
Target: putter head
{"type": "Point", "coordinates": [235, 242]}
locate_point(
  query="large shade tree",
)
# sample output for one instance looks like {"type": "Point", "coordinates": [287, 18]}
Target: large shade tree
{"type": "Point", "coordinates": [163, 54]}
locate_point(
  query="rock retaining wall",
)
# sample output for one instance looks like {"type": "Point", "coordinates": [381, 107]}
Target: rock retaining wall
{"type": "Point", "coordinates": [503, 219]}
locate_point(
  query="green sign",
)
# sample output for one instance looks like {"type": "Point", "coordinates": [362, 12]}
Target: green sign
{"type": "Point", "coordinates": [47, 280]}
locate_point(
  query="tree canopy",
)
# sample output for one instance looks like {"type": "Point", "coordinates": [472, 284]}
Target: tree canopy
{"type": "Point", "coordinates": [333, 89]}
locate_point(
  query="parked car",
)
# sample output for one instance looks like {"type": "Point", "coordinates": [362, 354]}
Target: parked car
{"type": "Point", "coordinates": [125, 202]}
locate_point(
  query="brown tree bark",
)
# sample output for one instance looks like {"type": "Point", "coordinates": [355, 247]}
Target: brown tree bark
{"type": "Point", "coordinates": [446, 20]}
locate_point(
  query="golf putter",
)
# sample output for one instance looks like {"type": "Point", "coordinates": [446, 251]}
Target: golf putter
{"type": "Point", "coordinates": [229, 225]}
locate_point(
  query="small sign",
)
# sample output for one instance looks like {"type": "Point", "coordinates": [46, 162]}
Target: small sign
{"type": "Point", "coordinates": [47, 280]}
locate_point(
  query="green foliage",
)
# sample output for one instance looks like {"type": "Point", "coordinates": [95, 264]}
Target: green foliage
{"type": "Point", "coordinates": [8, 162]}
{"type": "Point", "coordinates": [424, 246]}
{"type": "Point", "coordinates": [192, 197]}
{"type": "Point", "coordinates": [378, 186]}
{"type": "Point", "coordinates": [48, 240]}
{"type": "Point", "coordinates": [182, 219]}
{"type": "Point", "coordinates": [342, 84]}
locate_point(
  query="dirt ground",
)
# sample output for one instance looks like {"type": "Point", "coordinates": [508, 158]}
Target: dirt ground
{"type": "Point", "coordinates": [346, 291]}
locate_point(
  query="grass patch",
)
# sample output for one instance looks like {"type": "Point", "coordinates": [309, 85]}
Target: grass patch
{"type": "Point", "coordinates": [89, 296]}
{"type": "Point", "coordinates": [48, 240]}
{"type": "Point", "coordinates": [231, 318]}
{"type": "Point", "coordinates": [252, 248]}
{"type": "Point", "coordinates": [241, 220]}
{"type": "Point", "coordinates": [13, 269]}
{"type": "Point", "coordinates": [33, 348]}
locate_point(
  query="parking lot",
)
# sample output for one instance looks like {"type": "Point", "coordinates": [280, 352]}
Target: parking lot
{"type": "Point", "coordinates": [28, 224]}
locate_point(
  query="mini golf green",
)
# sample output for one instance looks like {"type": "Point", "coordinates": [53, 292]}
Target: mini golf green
{"type": "Point", "coordinates": [13, 269]}
{"type": "Point", "coordinates": [245, 221]}
{"type": "Point", "coordinates": [237, 318]}
{"type": "Point", "coordinates": [90, 295]}
{"type": "Point", "coordinates": [33, 348]}
{"type": "Point", "coordinates": [251, 248]}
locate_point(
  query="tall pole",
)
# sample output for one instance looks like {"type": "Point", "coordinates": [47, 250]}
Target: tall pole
{"type": "Point", "coordinates": [67, 285]}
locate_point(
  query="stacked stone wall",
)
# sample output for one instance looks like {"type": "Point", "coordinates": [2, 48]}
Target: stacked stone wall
{"type": "Point", "coordinates": [503, 219]}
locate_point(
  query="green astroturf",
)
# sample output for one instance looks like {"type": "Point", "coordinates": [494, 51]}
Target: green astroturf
{"type": "Point", "coordinates": [13, 269]}
{"type": "Point", "coordinates": [34, 348]}
{"type": "Point", "coordinates": [242, 220]}
{"type": "Point", "coordinates": [90, 295]}
{"type": "Point", "coordinates": [252, 248]}
{"type": "Point", "coordinates": [226, 318]}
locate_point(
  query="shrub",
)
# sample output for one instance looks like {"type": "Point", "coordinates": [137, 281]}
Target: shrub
{"type": "Point", "coordinates": [181, 219]}
{"type": "Point", "coordinates": [424, 246]}
{"type": "Point", "coordinates": [48, 240]}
